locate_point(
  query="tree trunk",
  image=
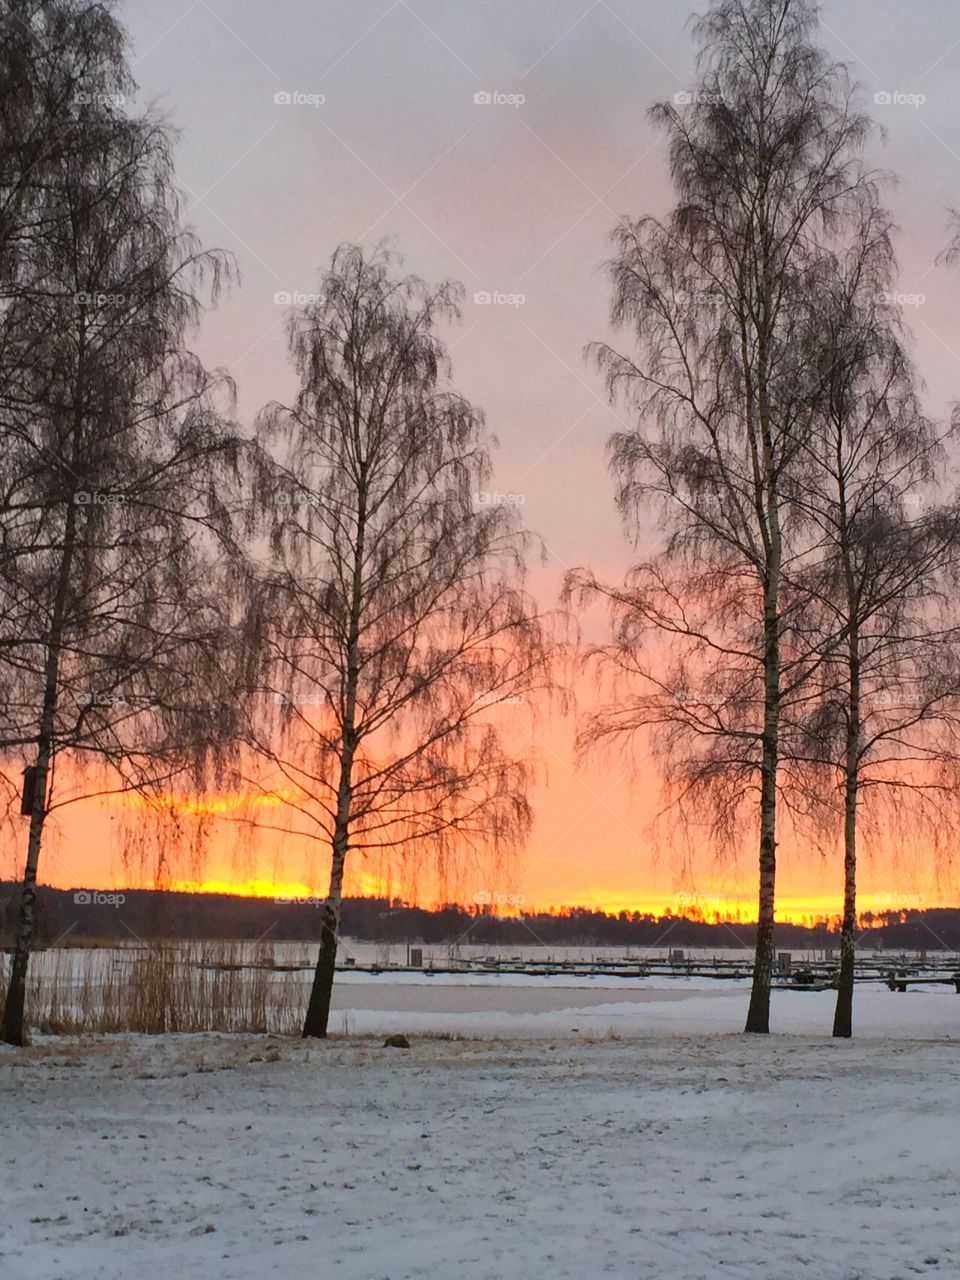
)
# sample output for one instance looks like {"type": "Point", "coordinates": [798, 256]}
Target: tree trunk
{"type": "Point", "coordinates": [843, 1017]}
{"type": "Point", "coordinates": [758, 1014]}
{"type": "Point", "coordinates": [13, 1030]}
{"type": "Point", "coordinates": [318, 1010]}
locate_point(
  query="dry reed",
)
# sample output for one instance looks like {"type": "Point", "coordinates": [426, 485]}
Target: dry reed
{"type": "Point", "coordinates": [161, 987]}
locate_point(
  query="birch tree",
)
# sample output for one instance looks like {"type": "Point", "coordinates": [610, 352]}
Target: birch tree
{"type": "Point", "coordinates": [116, 460]}
{"type": "Point", "coordinates": [765, 157]}
{"type": "Point", "coordinates": [393, 626]}
{"type": "Point", "coordinates": [882, 711]}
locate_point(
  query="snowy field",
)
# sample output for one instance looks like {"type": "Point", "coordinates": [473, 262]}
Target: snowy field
{"type": "Point", "coordinates": [615, 1139]}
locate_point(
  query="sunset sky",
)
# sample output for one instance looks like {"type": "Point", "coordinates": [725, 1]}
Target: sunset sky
{"type": "Point", "coordinates": [513, 199]}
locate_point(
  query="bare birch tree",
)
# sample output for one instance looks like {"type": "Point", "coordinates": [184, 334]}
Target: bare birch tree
{"type": "Point", "coordinates": [393, 630]}
{"type": "Point", "coordinates": [882, 710]}
{"type": "Point", "coordinates": [766, 161]}
{"type": "Point", "coordinates": [115, 461]}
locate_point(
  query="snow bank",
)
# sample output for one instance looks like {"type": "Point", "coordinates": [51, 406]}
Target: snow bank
{"type": "Point", "coordinates": [239, 1158]}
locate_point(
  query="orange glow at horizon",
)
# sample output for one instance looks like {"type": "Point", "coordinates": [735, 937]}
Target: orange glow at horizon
{"type": "Point", "coordinates": [804, 911]}
{"type": "Point", "coordinates": [358, 884]}
{"type": "Point", "coordinates": [211, 806]}
{"type": "Point", "coordinates": [594, 846]}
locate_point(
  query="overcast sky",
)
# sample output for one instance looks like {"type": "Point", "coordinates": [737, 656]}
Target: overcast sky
{"type": "Point", "coordinates": [383, 138]}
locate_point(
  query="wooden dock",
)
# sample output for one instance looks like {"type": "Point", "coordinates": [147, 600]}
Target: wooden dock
{"type": "Point", "coordinates": [898, 972]}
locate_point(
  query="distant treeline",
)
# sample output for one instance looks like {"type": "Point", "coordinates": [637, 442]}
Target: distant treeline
{"type": "Point", "coordinates": [77, 916]}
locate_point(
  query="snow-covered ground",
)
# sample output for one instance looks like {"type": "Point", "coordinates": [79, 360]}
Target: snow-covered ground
{"type": "Point", "coordinates": [632, 1147]}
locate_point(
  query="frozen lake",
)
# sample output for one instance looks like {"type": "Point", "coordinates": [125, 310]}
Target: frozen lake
{"type": "Point", "coordinates": [239, 984]}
